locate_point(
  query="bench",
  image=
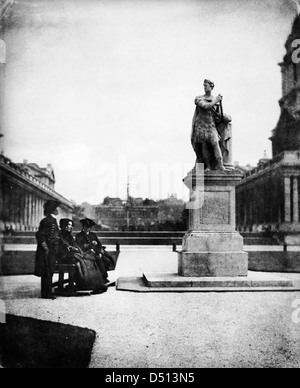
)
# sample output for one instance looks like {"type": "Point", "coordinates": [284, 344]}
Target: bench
{"type": "Point", "coordinates": [63, 269]}
{"type": "Point", "coordinates": [69, 269]}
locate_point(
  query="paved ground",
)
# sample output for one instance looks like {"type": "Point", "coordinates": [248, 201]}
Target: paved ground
{"type": "Point", "coordinates": [171, 329]}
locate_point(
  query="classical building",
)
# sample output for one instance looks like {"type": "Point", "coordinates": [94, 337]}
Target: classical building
{"type": "Point", "coordinates": [24, 190]}
{"type": "Point", "coordinates": [268, 196]}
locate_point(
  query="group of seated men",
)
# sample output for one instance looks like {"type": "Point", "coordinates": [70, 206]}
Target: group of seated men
{"type": "Point", "coordinates": [56, 244]}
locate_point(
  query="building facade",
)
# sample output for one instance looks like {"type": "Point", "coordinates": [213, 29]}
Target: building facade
{"type": "Point", "coordinates": [22, 195]}
{"type": "Point", "coordinates": [268, 196]}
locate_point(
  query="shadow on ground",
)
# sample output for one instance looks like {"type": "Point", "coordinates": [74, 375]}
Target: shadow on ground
{"type": "Point", "coordinates": [31, 343]}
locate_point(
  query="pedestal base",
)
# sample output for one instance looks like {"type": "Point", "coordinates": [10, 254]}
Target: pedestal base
{"type": "Point", "coordinates": [171, 282]}
{"type": "Point", "coordinates": [207, 253]}
{"type": "Point", "coordinates": [254, 280]}
{"type": "Point", "coordinates": [212, 264]}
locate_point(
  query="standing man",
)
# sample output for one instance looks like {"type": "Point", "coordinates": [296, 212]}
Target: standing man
{"type": "Point", "coordinates": [47, 250]}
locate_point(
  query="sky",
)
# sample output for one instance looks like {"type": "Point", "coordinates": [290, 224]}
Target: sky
{"type": "Point", "coordinates": [104, 90]}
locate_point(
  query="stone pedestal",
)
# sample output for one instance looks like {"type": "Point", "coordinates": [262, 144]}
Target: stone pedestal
{"type": "Point", "coordinates": [212, 259]}
{"type": "Point", "coordinates": [212, 247]}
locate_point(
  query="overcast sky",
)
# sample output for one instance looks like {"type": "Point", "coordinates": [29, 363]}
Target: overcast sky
{"type": "Point", "coordinates": [105, 89]}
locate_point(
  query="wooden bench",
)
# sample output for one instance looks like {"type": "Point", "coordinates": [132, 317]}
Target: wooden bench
{"type": "Point", "coordinates": [69, 269]}
{"type": "Point", "coordinates": [63, 269]}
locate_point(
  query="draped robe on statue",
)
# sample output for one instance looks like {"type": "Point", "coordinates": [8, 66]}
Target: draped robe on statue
{"type": "Point", "coordinates": [209, 126]}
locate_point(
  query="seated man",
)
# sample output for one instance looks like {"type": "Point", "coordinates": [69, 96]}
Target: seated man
{"type": "Point", "coordinates": [87, 275]}
{"type": "Point", "coordinates": [89, 243]}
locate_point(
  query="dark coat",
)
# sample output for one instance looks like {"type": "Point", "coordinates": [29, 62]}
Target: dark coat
{"type": "Point", "coordinates": [47, 246]}
{"type": "Point", "coordinates": [87, 274]}
{"type": "Point", "coordinates": [68, 250]}
{"type": "Point", "coordinates": [85, 242]}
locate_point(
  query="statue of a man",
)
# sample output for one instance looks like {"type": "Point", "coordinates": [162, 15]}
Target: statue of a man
{"type": "Point", "coordinates": [209, 132]}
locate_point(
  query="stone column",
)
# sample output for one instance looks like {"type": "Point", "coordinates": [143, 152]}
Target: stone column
{"type": "Point", "coordinates": [245, 216]}
{"type": "Point", "coordinates": [42, 209]}
{"type": "Point", "coordinates": [39, 211]}
{"type": "Point", "coordinates": [12, 206]}
{"type": "Point", "coordinates": [287, 199]}
{"type": "Point", "coordinates": [296, 199]}
{"type": "Point", "coordinates": [19, 207]}
{"type": "Point", "coordinates": [29, 210]}
{"type": "Point", "coordinates": [32, 212]}
{"type": "Point", "coordinates": [251, 219]}
{"type": "Point", "coordinates": [26, 210]}
{"type": "Point", "coordinates": [36, 211]}
{"type": "Point", "coordinates": [24, 206]}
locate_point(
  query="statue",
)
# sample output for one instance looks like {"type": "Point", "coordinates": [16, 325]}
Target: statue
{"type": "Point", "coordinates": [211, 131]}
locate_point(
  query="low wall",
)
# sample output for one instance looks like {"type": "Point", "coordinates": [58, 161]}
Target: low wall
{"type": "Point", "coordinates": [274, 261]}
{"type": "Point", "coordinates": [17, 263]}
{"type": "Point", "coordinates": [22, 262]}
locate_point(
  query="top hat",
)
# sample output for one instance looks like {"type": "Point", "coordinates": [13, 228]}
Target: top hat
{"type": "Point", "coordinates": [50, 206]}
{"type": "Point", "coordinates": [88, 222]}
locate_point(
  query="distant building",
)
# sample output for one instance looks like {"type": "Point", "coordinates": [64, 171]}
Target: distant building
{"type": "Point", "coordinates": [131, 214]}
{"type": "Point", "coordinates": [268, 196]}
{"type": "Point", "coordinates": [243, 169]}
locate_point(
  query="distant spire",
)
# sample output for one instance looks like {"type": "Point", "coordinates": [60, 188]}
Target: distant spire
{"type": "Point", "coordinates": [128, 186]}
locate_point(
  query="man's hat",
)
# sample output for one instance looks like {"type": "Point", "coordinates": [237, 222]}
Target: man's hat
{"type": "Point", "coordinates": [64, 222]}
{"type": "Point", "coordinates": [50, 206]}
{"type": "Point", "coordinates": [88, 222]}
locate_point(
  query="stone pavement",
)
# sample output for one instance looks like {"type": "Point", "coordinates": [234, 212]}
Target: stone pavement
{"type": "Point", "coordinates": [176, 330]}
